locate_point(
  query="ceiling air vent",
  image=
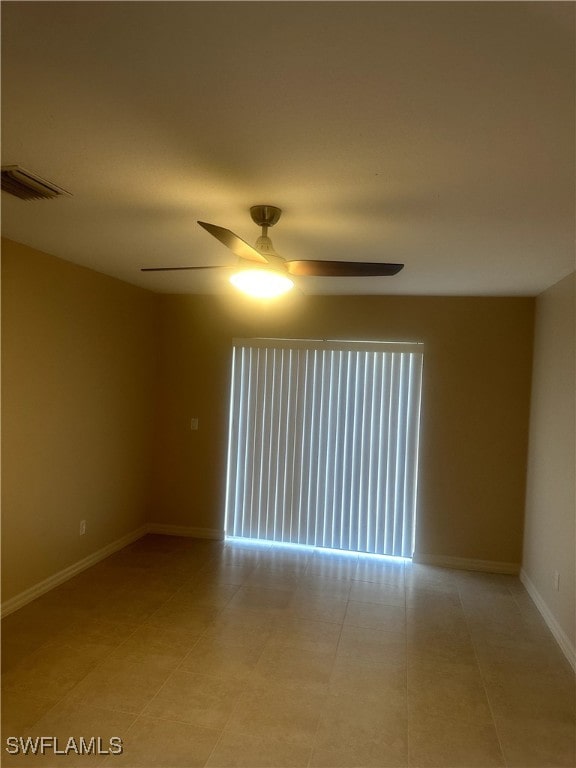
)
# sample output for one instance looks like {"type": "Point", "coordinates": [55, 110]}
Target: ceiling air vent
{"type": "Point", "coordinates": [21, 183]}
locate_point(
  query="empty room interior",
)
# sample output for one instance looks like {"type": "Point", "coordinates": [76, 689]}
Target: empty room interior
{"type": "Point", "coordinates": [288, 384]}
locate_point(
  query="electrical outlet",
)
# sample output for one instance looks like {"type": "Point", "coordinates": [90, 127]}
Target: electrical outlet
{"type": "Point", "coordinates": [194, 424]}
{"type": "Point", "coordinates": [82, 527]}
{"type": "Point", "coordinates": [556, 581]}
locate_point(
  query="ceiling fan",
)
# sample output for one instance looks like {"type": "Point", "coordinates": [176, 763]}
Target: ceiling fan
{"type": "Point", "coordinates": [266, 263]}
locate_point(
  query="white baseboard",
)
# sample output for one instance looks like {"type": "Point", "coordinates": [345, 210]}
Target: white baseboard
{"type": "Point", "coordinates": [18, 601]}
{"type": "Point", "coordinates": [467, 564]}
{"type": "Point", "coordinates": [560, 636]}
{"type": "Point", "coordinates": [184, 530]}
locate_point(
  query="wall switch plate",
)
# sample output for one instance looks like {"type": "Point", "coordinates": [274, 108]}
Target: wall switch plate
{"type": "Point", "coordinates": [82, 527]}
{"type": "Point", "coordinates": [556, 581]}
{"type": "Point", "coordinates": [194, 424]}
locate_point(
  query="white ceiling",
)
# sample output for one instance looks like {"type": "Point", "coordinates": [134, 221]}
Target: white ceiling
{"type": "Point", "coordinates": [436, 134]}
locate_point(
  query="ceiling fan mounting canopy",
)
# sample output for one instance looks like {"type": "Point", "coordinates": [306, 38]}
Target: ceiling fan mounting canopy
{"type": "Point", "coordinates": [265, 215]}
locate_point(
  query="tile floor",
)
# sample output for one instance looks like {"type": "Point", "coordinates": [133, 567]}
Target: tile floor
{"type": "Point", "coordinates": [201, 653]}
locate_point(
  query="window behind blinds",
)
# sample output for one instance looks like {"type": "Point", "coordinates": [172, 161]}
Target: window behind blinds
{"type": "Point", "coordinates": [323, 444]}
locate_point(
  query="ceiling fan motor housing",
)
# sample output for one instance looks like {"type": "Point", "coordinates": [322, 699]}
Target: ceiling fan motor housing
{"type": "Point", "coordinates": [264, 246]}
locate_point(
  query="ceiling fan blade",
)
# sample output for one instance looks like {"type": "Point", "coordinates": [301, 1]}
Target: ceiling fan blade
{"type": "Point", "coordinates": [175, 269]}
{"type": "Point", "coordinates": [342, 268]}
{"type": "Point", "coordinates": [235, 243]}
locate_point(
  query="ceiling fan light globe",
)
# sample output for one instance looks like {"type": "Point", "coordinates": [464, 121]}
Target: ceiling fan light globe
{"type": "Point", "coordinates": [261, 283]}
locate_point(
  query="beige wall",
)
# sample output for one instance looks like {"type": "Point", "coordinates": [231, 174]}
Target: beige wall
{"type": "Point", "coordinates": [78, 396]}
{"type": "Point", "coordinates": [475, 409]}
{"type": "Point", "coordinates": [550, 534]}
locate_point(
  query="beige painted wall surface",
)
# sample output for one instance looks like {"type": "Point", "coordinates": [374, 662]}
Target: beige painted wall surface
{"type": "Point", "coordinates": [78, 389]}
{"type": "Point", "coordinates": [475, 405]}
{"type": "Point", "coordinates": [550, 530]}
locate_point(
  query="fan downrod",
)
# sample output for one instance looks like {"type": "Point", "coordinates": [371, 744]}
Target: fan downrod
{"type": "Point", "coordinates": [265, 215]}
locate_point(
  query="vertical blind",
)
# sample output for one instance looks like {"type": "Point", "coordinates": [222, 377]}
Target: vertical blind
{"type": "Point", "coordinates": [323, 444]}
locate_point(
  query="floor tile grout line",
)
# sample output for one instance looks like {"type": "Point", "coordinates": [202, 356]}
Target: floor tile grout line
{"type": "Point", "coordinates": [140, 715]}
{"type": "Point", "coordinates": [408, 736]}
{"type": "Point", "coordinates": [216, 744]}
{"type": "Point", "coordinates": [478, 665]}
{"type": "Point", "coordinates": [314, 741]}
